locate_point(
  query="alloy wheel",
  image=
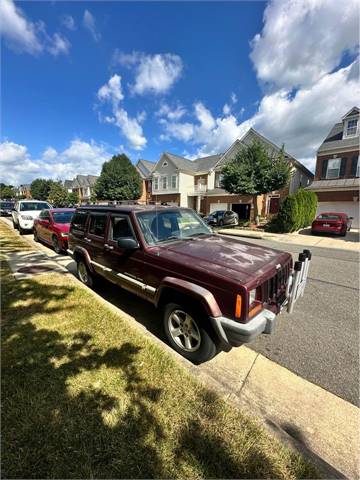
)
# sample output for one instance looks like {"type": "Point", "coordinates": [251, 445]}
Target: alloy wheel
{"type": "Point", "coordinates": [83, 273]}
{"type": "Point", "coordinates": [184, 331]}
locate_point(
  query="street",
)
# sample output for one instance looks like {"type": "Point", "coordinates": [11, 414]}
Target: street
{"type": "Point", "coordinates": [318, 342]}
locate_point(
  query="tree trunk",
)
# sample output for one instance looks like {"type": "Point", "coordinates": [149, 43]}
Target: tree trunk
{"type": "Point", "coordinates": [256, 213]}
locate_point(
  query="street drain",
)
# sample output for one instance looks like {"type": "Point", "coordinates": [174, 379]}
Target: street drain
{"type": "Point", "coordinates": [35, 269]}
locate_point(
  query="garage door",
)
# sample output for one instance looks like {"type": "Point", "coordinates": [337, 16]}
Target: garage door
{"type": "Point", "coordinates": [350, 208]}
{"type": "Point", "coordinates": [218, 206]}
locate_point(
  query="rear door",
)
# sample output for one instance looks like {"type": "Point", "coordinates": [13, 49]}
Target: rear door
{"type": "Point", "coordinates": [46, 226]}
{"type": "Point", "coordinates": [95, 237]}
{"type": "Point", "coordinates": [124, 267]}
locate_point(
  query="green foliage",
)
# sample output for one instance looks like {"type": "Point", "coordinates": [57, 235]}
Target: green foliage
{"type": "Point", "coordinates": [296, 211]}
{"type": "Point", "coordinates": [58, 195]}
{"type": "Point", "coordinates": [6, 191]}
{"type": "Point", "coordinates": [254, 171]}
{"type": "Point", "coordinates": [119, 180]}
{"type": "Point", "coordinates": [40, 188]}
{"type": "Point", "coordinates": [72, 199]}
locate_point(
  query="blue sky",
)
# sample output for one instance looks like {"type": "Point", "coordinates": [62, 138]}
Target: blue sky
{"type": "Point", "coordinates": [84, 80]}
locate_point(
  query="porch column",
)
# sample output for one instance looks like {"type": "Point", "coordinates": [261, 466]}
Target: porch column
{"type": "Point", "coordinates": [198, 200]}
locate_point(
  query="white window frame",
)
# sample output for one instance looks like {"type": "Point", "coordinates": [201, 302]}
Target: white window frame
{"type": "Point", "coordinates": [156, 183]}
{"type": "Point", "coordinates": [173, 184]}
{"type": "Point", "coordinates": [333, 168]}
{"type": "Point", "coordinates": [162, 182]}
{"type": "Point", "coordinates": [347, 134]}
{"type": "Point", "coordinates": [358, 167]}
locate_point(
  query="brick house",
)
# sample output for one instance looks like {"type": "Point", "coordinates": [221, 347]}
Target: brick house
{"type": "Point", "coordinates": [82, 186]}
{"type": "Point", "coordinates": [145, 168]}
{"type": "Point", "coordinates": [197, 183]}
{"type": "Point", "coordinates": [337, 168]}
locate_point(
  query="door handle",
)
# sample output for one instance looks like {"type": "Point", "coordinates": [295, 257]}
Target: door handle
{"type": "Point", "coordinates": [108, 247]}
{"type": "Point", "coordinates": [88, 240]}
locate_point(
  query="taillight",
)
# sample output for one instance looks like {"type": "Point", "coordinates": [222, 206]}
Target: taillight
{"type": "Point", "coordinates": [255, 302]}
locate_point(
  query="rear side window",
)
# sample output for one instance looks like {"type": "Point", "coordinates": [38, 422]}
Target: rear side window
{"type": "Point", "coordinates": [79, 221]}
{"type": "Point", "coordinates": [97, 225]}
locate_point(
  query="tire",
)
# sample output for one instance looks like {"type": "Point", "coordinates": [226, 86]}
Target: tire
{"type": "Point", "coordinates": [56, 245]}
{"type": "Point", "coordinates": [21, 231]}
{"type": "Point", "coordinates": [221, 223]}
{"type": "Point", "coordinates": [84, 274]}
{"type": "Point", "coordinates": [16, 225]}
{"type": "Point", "coordinates": [185, 331]}
{"type": "Point", "coordinates": [36, 238]}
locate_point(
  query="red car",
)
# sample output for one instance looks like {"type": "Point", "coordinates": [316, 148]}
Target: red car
{"type": "Point", "coordinates": [52, 227]}
{"type": "Point", "coordinates": [331, 222]}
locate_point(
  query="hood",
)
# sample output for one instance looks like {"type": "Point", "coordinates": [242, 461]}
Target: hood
{"type": "Point", "coordinates": [226, 257]}
{"type": "Point", "coordinates": [62, 227]}
{"type": "Point", "coordinates": [31, 213]}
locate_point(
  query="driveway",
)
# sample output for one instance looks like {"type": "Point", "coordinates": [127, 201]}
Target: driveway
{"type": "Point", "coordinates": [319, 341]}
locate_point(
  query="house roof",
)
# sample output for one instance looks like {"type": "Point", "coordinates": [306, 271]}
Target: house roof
{"type": "Point", "coordinates": [81, 181]}
{"type": "Point", "coordinates": [353, 111]}
{"type": "Point", "coordinates": [335, 139]}
{"type": "Point", "coordinates": [145, 167]}
{"type": "Point", "coordinates": [339, 184]}
{"type": "Point", "coordinates": [203, 164]}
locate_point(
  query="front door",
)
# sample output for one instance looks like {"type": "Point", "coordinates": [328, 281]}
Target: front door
{"type": "Point", "coordinates": [125, 267]}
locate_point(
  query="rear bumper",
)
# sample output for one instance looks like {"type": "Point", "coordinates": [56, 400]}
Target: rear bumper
{"type": "Point", "coordinates": [235, 333]}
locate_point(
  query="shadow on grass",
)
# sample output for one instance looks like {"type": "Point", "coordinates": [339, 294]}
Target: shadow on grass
{"type": "Point", "coordinates": [54, 428]}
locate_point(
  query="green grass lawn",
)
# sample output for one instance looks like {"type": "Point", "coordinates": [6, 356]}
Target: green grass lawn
{"type": "Point", "coordinates": [86, 395]}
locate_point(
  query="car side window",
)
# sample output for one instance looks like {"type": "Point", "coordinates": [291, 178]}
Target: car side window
{"type": "Point", "coordinates": [120, 228]}
{"type": "Point", "coordinates": [79, 221]}
{"type": "Point", "coordinates": [97, 225]}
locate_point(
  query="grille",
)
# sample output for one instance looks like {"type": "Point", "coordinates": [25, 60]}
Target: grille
{"type": "Point", "coordinates": [273, 290]}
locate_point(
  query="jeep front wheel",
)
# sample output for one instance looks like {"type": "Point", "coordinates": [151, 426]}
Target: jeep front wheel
{"type": "Point", "coordinates": [186, 333]}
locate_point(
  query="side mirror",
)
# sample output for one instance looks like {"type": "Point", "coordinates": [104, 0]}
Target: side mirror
{"type": "Point", "coordinates": [128, 243]}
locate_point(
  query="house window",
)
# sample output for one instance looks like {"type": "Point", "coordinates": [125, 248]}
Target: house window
{"type": "Point", "coordinates": [164, 183]}
{"type": "Point", "coordinates": [358, 168]}
{"type": "Point", "coordinates": [219, 180]}
{"type": "Point", "coordinates": [351, 128]}
{"type": "Point", "coordinates": [156, 183]}
{"type": "Point", "coordinates": [333, 168]}
{"type": "Point", "coordinates": [165, 164]}
{"type": "Point", "coordinates": [173, 181]}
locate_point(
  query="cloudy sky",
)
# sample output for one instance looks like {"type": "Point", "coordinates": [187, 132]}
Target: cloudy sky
{"type": "Point", "coordinates": [84, 80]}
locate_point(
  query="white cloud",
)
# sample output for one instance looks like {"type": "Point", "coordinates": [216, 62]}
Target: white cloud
{"type": "Point", "coordinates": [68, 22]}
{"type": "Point", "coordinates": [172, 113]}
{"type": "Point", "coordinates": [303, 40]}
{"type": "Point", "coordinates": [22, 35]}
{"type": "Point", "coordinates": [153, 73]}
{"type": "Point", "coordinates": [90, 24]}
{"type": "Point", "coordinates": [79, 157]}
{"type": "Point", "coordinates": [131, 128]}
{"type": "Point", "coordinates": [233, 97]}
{"type": "Point", "coordinates": [226, 109]}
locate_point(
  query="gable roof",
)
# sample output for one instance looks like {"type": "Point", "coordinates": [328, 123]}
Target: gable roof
{"type": "Point", "coordinates": [145, 167]}
{"type": "Point", "coordinates": [81, 181]}
{"type": "Point", "coordinates": [199, 165]}
{"type": "Point", "coordinates": [335, 140]}
{"type": "Point", "coordinates": [353, 111]}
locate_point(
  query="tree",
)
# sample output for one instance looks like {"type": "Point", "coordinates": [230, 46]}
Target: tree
{"type": "Point", "coordinates": [119, 180]}
{"type": "Point", "coordinates": [6, 191]}
{"type": "Point", "coordinates": [254, 171]}
{"type": "Point", "coordinates": [57, 196]}
{"type": "Point", "coordinates": [72, 199]}
{"type": "Point", "coordinates": [40, 188]}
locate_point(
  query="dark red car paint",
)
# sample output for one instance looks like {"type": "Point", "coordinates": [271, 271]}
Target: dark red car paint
{"type": "Point", "coordinates": [46, 230]}
{"type": "Point", "coordinates": [338, 225]}
{"type": "Point", "coordinates": [221, 266]}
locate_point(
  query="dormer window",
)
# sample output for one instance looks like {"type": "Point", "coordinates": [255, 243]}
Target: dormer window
{"type": "Point", "coordinates": [351, 127]}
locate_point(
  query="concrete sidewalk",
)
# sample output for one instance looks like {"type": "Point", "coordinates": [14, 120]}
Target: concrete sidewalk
{"type": "Point", "coordinates": [304, 237]}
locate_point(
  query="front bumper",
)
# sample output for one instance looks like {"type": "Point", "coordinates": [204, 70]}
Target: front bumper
{"type": "Point", "coordinates": [26, 224]}
{"type": "Point", "coordinates": [235, 333]}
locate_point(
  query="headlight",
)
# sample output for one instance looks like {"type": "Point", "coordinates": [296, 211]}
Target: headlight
{"type": "Point", "coordinates": [252, 296]}
{"type": "Point", "coordinates": [26, 217]}
{"type": "Point", "coordinates": [64, 234]}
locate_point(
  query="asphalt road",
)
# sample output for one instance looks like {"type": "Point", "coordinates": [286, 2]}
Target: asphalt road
{"type": "Point", "coordinates": [319, 341]}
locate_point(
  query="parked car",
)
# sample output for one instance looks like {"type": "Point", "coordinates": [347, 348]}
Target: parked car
{"type": "Point", "coordinates": [215, 292]}
{"type": "Point", "coordinates": [6, 207]}
{"type": "Point", "coordinates": [222, 217]}
{"type": "Point", "coordinates": [25, 212]}
{"type": "Point", "coordinates": [332, 222]}
{"type": "Point", "coordinates": [52, 227]}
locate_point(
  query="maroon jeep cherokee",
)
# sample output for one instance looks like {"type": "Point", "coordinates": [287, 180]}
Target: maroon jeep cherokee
{"type": "Point", "coordinates": [215, 292]}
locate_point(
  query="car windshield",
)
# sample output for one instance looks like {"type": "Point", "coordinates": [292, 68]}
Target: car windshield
{"type": "Point", "coordinates": [62, 217]}
{"type": "Point", "coordinates": [329, 216]}
{"type": "Point", "coordinates": [30, 206]}
{"type": "Point", "coordinates": [6, 204]}
{"type": "Point", "coordinates": [162, 226]}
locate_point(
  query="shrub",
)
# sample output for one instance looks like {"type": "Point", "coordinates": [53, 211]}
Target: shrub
{"type": "Point", "coordinates": [296, 211]}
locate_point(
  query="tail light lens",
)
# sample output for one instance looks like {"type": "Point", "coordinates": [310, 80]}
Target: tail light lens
{"type": "Point", "coordinates": [255, 302]}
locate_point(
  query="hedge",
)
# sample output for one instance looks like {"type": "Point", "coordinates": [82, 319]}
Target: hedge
{"type": "Point", "coordinates": [296, 211]}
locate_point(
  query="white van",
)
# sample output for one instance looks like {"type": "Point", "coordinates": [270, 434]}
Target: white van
{"type": "Point", "coordinates": [25, 212]}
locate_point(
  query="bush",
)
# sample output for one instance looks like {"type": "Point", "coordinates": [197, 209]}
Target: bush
{"type": "Point", "coordinates": [296, 211]}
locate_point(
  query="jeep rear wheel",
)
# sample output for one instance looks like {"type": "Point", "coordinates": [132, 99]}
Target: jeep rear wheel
{"type": "Point", "coordinates": [84, 274]}
{"type": "Point", "coordinates": [186, 333]}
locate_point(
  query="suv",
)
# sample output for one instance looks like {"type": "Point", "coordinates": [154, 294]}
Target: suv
{"type": "Point", "coordinates": [215, 292]}
{"type": "Point", "coordinates": [222, 217]}
{"type": "Point", "coordinates": [24, 213]}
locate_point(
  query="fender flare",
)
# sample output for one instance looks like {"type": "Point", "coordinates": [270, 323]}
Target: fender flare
{"type": "Point", "coordinates": [84, 253]}
{"type": "Point", "coordinates": [201, 294]}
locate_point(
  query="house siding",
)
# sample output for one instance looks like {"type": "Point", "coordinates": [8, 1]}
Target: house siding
{"type": "Point", "coordinates": [323, 158]}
